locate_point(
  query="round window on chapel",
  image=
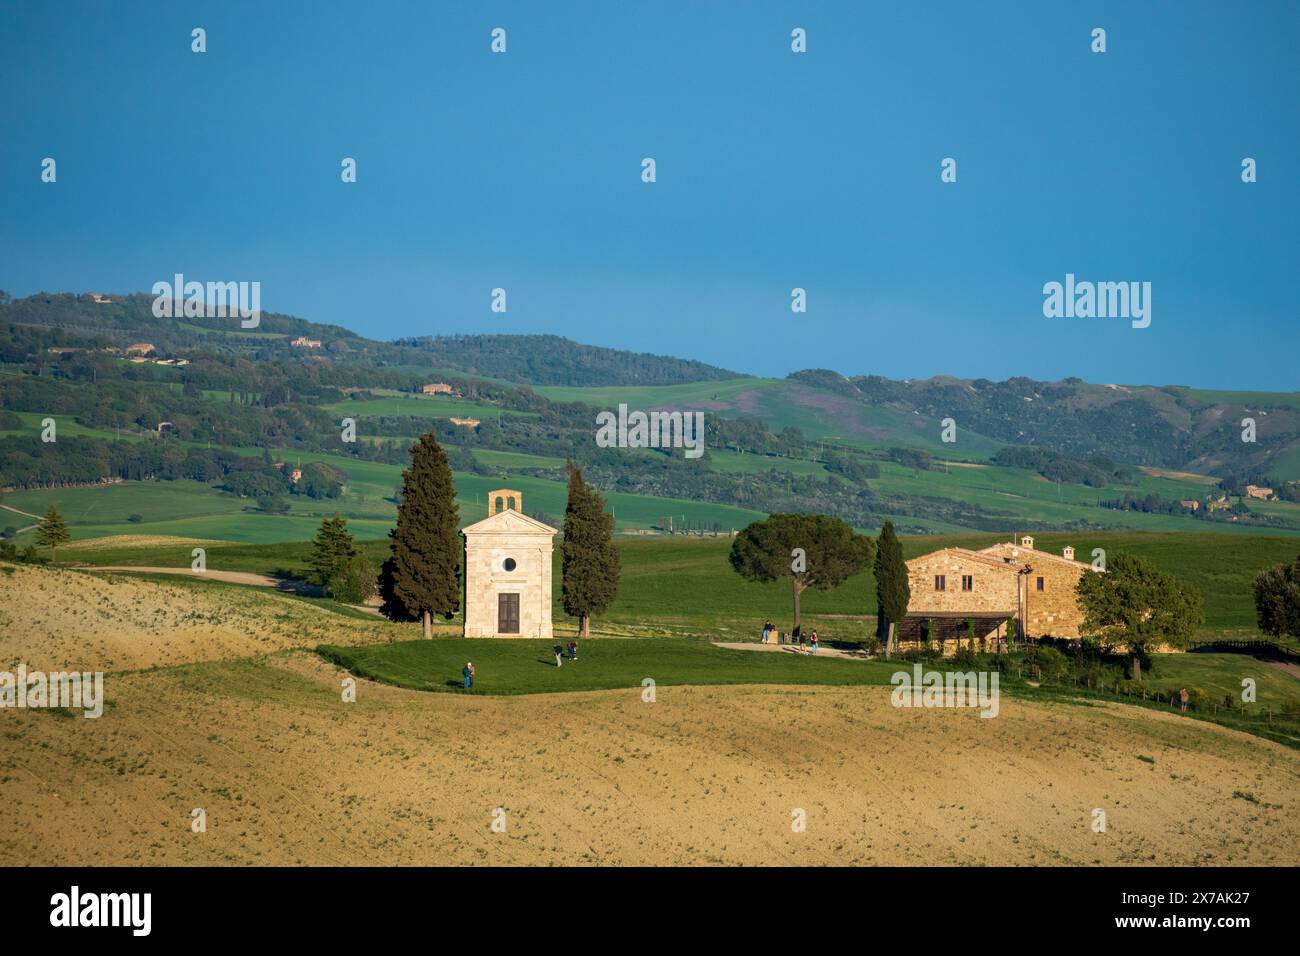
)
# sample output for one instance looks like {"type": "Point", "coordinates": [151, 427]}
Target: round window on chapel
{"type": "Point", "coordinates": [508, 564]}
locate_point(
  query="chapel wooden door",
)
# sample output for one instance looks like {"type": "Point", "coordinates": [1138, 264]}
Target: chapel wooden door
{"type": "Point", "coordinates": [507, 613]}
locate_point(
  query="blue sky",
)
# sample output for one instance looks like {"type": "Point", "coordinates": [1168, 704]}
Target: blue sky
{"type": "Point", "coordinates": [775, 170]}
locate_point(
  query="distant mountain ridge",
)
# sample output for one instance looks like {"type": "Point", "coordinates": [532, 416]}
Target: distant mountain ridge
{"type": "Point", "coordinates": [525, 359]}
{"type": "Point", "coordinates": [1173, 427]}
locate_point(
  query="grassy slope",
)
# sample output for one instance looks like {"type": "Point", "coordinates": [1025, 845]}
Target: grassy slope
{"type": "Point", "coordinates": [778, 401]}
{"type": "Point", "coordinates": [782, 403]}
{"type": "Point", "coordinates": [96, 512]}
{"type": "Point", "coordinates": [685, 585]}
{"type": "Point", "coordinates": [528, 667]}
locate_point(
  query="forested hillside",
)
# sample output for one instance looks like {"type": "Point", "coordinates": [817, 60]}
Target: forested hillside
{"type": "Point", "coordinates": [239, 412]}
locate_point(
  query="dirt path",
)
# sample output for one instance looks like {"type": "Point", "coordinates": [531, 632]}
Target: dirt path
{"type": "Point", "coordinates": [25, 514]}
{"type": "Point", "coordinates": [1287, 666]}
{"type": "Point", "coordinates": [789, 649]}
{"type": "Point", "coordinates": [230, 577]}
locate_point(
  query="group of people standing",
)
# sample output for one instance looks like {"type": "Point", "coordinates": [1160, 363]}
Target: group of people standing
{"type": "Point", "coordinates": [562, 651]}
{"type": "Point", "coordinates": [806, 645]}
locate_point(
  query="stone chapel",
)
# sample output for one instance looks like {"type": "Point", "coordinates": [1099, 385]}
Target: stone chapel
{"type": "Point", "coordinates": [508, 571]}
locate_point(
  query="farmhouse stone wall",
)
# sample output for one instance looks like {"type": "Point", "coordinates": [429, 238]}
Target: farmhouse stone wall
{"type": "Point", "coordinates": [993, 588]}
{"type": "Point", "coordinates": [1004, 580]}
{"type": "Point", "coordinates": [1054, 611]}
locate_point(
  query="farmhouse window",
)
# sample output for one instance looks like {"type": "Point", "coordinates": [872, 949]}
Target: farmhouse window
{"type": "Point", "coordinates": [968, 582]}
{"type": "Point", "coordinates": [939, 583]}
{"type": "Point", "coordinates": [1040, 584]}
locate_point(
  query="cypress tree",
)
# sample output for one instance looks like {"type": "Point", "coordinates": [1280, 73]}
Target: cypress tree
{"type": "Point", "coordinates": [53, 531]}
{"type": "Point", "coordinates": [892, 590]}
{"type": "Point", "coordinates": [422, 575]}
{"type": "Point", "coordinates": [590, 566]}
{"type": "Point", "coordinates": [331, 550]}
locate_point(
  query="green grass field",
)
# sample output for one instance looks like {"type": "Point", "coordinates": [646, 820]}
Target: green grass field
{"type": "Point", "coordinates": [821, 416]}
{"type": "Point", "coordinates": [440, 406]}
{"type": "Point", "coordinates": [68, 426]}
{"type": "Point", "coordinates": [685, 585]}
{"type": "Point", "coordinates": [515, 667]}
{"type": "Point", "coordinates": [1220, 675]}
{"type": "Point", "coordinates": [528, 667]}
{"type": "Point", "coordinates": [506, 460]}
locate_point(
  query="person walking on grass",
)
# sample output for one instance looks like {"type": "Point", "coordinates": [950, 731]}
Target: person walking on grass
{"type": "Point", "coordinates": [559, 654]}
{"type": "Point", "coordinates": [573, 650]}
{"type": "Point", "coordinates": [1182, 700]}
{"type": "Point", "coordinates": [767, 631]}
{"type": "Point", "coordinates": [812, 642]}
{"type": "Point", "coordinates": [467, 672]}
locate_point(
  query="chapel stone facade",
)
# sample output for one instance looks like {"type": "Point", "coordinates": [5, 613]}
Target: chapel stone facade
{"type": "Point", "coordinates": [508, 571]}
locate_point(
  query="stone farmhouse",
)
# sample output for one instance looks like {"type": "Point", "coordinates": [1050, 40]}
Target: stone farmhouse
{"type": "Point", "coordinates": [508, 571]}
{"type": "Point", "coordinates": [1009, 581]}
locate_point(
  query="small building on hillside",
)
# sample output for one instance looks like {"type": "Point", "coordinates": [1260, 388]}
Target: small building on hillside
{"type": "Point", "coordinates": [302, 342]}
{"type": "Point", "coordinates": [1260, 492]}
{"type": "Point", "coordinates": [1190, 504]}
{"type": "Point", "coordinates": [437, 388]}
{"type": "Point", "coordinates": [955, 588]}
{"type": "Point", "coordinates": [139, 348]}
{"type": "Point", "coordinates": [508, 571]}
{"type": "Point", "coordinates": [466, 422]}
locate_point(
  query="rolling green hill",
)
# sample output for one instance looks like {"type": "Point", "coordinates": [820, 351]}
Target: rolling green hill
{"type": "Point", "coordinates": [685, 585]}
{"type": "Point", "coordinates": [861, 448]}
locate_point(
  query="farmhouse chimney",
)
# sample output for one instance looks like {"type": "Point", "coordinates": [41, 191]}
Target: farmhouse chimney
{"type": "Point", "coordinates": [1068, 552]}
{"type": "Point", "coordinates": [1026, 541]}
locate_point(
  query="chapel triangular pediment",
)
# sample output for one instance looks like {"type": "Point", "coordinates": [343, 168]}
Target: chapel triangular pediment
{"type": "Point", "coordinates": [510, 522]}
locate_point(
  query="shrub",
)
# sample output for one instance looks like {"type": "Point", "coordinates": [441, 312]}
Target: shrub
{"type": "Point", "coordinates": [134, 519]}
{"type": "Point", "coordinates": [356, 583]}
{"type": "Point", "coordinates": [1051, 663]}
{"type": "Point", "coordinates": [871, 645]}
